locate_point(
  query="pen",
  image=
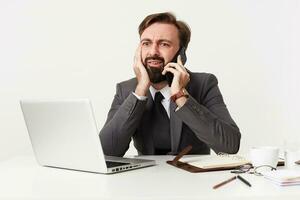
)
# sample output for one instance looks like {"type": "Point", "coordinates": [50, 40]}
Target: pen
{"type": "Point", "coordinates": [224, 182]}
{"type": "Point", "coordinates": [243, 180]}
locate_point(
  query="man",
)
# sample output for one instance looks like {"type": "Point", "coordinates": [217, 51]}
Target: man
{"type": "Point", "coordinates": [164, 118]}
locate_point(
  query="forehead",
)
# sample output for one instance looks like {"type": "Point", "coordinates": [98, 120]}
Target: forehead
{"type": "Point", "coordinates": [159, 31]}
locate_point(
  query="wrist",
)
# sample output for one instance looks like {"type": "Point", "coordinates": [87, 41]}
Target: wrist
{"type": "Point", "coordinates": [181, 101]}
{"type": "Point", "coordinates": [180, 97]}
{"type": "Point", "coordinates": [141, 90]}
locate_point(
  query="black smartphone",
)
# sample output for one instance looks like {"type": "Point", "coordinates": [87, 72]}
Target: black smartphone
{"type": "Point", "coordinates": [181, 52]}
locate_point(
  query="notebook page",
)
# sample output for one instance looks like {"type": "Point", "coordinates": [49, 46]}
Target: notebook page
{"type": "Point", "coordinates": [215, 161]}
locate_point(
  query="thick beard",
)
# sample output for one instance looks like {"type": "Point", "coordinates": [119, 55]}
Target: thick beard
{"type": "Point", "coordinates": [155, 73]}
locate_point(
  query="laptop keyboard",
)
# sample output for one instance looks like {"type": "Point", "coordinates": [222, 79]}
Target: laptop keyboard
{"type": "Point", "coordinates": [115, 164]}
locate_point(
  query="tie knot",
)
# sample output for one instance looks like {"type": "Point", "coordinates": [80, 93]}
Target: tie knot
{"type": "Point", "coordinates": [158, 97]}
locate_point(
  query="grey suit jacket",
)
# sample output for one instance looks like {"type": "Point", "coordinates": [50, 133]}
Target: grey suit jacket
{"type": "Point", "coordinates": [203, 122]}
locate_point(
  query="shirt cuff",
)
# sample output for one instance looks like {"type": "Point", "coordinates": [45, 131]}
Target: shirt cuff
{"type": "Point", "coordinates": [177, 109]}
{"type": "Point", "coordinates": [142, 98]}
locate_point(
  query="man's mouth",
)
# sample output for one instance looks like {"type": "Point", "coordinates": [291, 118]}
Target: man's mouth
{"type": "Point", "coordinates": [154, 63]}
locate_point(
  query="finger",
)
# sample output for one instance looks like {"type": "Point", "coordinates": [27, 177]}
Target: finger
{"type": "Point", "coordinates": [176, 66]}
{"type": "Point", "coordinates": [135, 55]}
{"type": "Point", "coordinates": [179, 60]}
{"type": "Point", "coordinates": [138, 57]}
{"type": "Point", "coordinates": [172, 70]}
{"type": "Point", "coordinates": [137, 52]}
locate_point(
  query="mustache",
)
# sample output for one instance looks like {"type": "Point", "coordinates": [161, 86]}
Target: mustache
{"type": "Point", "coordinates": [155, 57]}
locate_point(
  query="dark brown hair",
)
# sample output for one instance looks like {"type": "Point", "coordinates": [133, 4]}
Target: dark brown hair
{"type": "Point", "coordinates": [168, 18]}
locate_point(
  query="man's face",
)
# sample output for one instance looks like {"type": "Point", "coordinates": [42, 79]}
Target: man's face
{"type": "Point", "coordinates": [160, 43]}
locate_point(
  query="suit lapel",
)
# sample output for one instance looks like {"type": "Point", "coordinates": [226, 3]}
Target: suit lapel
{"type": "Point", "coordinates": [175, 128]}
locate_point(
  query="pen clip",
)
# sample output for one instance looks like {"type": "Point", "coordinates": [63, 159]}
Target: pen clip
{"type": "Point", "coordinates": [181, 154]}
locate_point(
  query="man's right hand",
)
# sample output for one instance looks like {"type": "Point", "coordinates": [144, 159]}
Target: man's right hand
{"type": "Point", "coordinates": [141, 74]}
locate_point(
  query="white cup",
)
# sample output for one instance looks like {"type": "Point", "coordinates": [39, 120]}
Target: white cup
{"type": "Point", "coordinates": [290, 158]}
{"type": "Point", "coordinates": [266, 155]}
{"type": "Point", "coordinates": [291, 154]}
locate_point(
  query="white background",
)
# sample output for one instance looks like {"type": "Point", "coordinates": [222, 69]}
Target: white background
{"type": "Point", "coordinates": [71, 49]}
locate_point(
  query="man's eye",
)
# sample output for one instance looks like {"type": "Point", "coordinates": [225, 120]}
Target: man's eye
{"type": "Point", "coordinates": [146, 43]}
{"type": "Point", "coordinates": [164, 44]}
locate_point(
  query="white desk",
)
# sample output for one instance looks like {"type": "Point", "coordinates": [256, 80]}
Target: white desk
{"type": "Point", "coordinates": [22, 178]}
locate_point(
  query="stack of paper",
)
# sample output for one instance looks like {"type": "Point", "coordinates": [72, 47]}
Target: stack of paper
{"type": "Point", "coordinates": [284, 177]}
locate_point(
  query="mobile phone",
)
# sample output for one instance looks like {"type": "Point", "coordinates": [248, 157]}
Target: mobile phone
{"type": "Point", "coordinates": [181, 52]}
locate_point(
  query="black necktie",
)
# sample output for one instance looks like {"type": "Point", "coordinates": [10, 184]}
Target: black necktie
{"type": "Point", "coordinates": [161, 126]}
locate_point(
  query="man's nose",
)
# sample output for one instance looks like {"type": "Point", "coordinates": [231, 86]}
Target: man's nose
{"type": "Point", "coordinates": [154, 50]}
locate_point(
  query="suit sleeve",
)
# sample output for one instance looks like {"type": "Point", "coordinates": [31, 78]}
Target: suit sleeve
{"type": "Point", "coordinates": [210, 120]}
{"type": "Point", "coordinates": [122, 121]}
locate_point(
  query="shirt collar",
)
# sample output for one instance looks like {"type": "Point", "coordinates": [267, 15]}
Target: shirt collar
{"type": "Point", "coordinates": [166, 92]}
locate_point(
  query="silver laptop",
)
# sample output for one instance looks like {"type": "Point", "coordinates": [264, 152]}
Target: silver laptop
{"type": "Point", "coordinates": [64, 134]}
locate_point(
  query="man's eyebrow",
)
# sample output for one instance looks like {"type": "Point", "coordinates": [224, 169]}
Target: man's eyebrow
{"type": "Point", "coordinates": [146, 39]}
{"type": "Point", "coordinates": [161, 40]}
{"type": "Point", "coordinates": [165, 40]}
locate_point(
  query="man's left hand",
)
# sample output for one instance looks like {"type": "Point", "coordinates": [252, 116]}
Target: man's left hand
{"type": "Point", "coordinates": [181, 76]}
